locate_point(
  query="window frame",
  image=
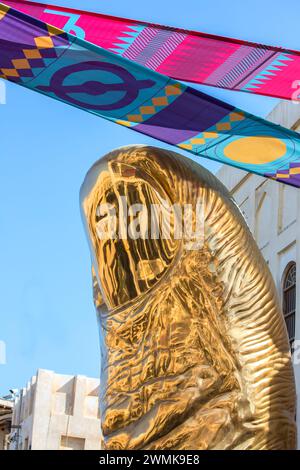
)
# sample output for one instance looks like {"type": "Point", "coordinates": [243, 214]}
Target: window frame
{"type": "Point", "coordinates": [289, 284]}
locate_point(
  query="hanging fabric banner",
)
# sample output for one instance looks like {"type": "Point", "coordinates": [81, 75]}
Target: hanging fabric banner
{"type": "Point", "coordinates": [183, 55]}
{"type": "Point", "coordinates": [48, 60]}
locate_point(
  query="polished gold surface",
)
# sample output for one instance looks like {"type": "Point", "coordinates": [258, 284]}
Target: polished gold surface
{"type": "Point", "coordinates": [194, 349]}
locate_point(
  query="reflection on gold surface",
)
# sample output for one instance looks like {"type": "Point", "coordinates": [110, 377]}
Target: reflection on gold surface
{"type": "Point", "coordinates": [194, 350]}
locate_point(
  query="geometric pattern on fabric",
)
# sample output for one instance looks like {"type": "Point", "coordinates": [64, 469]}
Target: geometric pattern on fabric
{"type": "Point", "coordinates": [180, 54]}
{"type": "Point", "coordinates": [42, 45]}
{"type": "Point", "coordinates": [291, 175]}
{"type": "Point", "coordinates": [267, 74]}
{"type": "Point", "coordinates": [76, 72]}
{"type": "Point", "coordinates": [203, 137]}
{"type": "Point", "coordinates": [156, 104]}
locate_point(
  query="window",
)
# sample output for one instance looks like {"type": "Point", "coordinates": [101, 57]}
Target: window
{"type": "Point", "coordinates": [289, 301]}
{"type": "Point", "coordinates": [72, 443]}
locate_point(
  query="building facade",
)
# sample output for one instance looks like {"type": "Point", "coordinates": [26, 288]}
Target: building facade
{"type": "Point", "coordinates": [57, 412]}
{"type": "Point", "coordinates": [272, 211]}
{"type": "Point", "coordinates": [6, 407]}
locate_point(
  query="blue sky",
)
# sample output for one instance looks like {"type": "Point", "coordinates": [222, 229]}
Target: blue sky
{"type": "Point", "coordinates": [46, 312]}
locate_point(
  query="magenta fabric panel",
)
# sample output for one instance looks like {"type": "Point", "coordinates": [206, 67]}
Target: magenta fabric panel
{"type": "Point", "coordinates": [180, 54]}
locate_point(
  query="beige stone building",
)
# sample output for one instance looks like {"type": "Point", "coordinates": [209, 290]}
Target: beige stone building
{"type": "Point", "coordinates": [6, 410]}
{"type": "Point", "coordinates": [57, 412]}
{"type": "Point", "coordinates": [272, 211]}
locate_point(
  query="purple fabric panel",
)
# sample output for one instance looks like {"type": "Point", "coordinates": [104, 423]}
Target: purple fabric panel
{"type": "Point", "coordinates": [25, 35]}
{"type": "Point", "coordinates": [166, 134]}
{"type": "Point", "coordinates": [191, 113]}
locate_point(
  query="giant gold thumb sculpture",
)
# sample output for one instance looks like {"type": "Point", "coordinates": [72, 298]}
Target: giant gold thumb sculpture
{"type": "Point", "coordinates": [194, 350]}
